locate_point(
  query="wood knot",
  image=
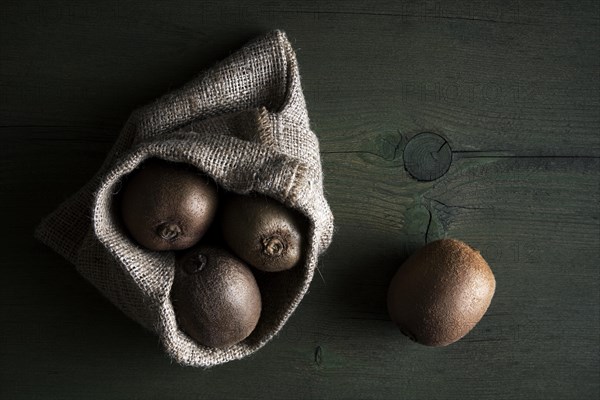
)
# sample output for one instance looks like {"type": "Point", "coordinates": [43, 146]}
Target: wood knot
{"type": "Point", "coordinates": [427, 156]}
{"type": "Point", "coordinates": [318, 355]}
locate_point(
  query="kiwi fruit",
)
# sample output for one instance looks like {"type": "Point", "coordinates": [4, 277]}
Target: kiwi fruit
{"type": "Point", "coordinates": [441, 292]}
{"type": "Point", "coordinates": [167, 206]}
{"type": "Point", "coordinates": [262, 231]}
{"type": "Point", "coordinates": [216, 298]}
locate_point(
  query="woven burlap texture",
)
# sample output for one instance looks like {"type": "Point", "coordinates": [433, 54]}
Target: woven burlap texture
{"type": "Point", "coordinates": [244, 123]}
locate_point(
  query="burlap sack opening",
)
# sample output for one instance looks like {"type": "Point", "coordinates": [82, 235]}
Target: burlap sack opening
{"type": "Point", "coordinates": [243, 123]}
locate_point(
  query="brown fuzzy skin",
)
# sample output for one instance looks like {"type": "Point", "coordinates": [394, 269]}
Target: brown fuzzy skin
{"type": "Point", "coordinates": [168, 206]}
{"type": "Point", "coordinates": [441, 292]}
{"type": "Point", "coordinates": [216, 298]}
{"type": "Point", "coordinates": [263, 232]}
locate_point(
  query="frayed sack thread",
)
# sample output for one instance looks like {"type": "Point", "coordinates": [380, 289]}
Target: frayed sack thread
{"type": "Point", "coordinates": [244, 123]}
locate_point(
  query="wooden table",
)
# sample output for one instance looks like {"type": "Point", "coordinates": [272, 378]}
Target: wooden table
{"type": "Point", "coordinates": [509, 92]}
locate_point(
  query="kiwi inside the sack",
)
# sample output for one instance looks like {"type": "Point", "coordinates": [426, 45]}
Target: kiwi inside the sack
{"type": "Point", "coordinates": [263, 232]}
{"type": "Point", "coordinates": [166, 205]}
{"type": "Point", "coordinates": [216, 298]}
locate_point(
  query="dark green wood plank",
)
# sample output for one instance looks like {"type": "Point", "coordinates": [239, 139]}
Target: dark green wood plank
{"type": "Point", "coordinates": [512, 76]}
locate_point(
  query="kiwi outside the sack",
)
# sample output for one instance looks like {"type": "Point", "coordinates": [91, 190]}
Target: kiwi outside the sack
{"type": "Point", "coordinates": [441, 292]}
{"type": "Point", "coordinates": [216, 299]}
{"type": "Point", "coordinates": [167, 206]}
{"type": "Point", "coordinates": [263, 232]}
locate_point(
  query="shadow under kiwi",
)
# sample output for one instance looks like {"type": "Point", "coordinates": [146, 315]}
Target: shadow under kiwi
{"type": "Point", "coordinates": [359, 272]}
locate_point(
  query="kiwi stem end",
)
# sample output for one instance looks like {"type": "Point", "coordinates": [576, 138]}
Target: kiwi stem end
{"type": "Point", "coordinates": [195, 264]}
{"type": "Point", "coordinates": [273, 246]}
{"type": "Point", "coordinates": [168, 231]}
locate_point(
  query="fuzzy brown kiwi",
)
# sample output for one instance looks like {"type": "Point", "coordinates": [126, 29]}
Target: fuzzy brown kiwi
{"type": "Point", "coordinates": [167, 206]}
{"type": "Point", "coordinates": [441, 292]}
{"type": "Point", "coordinates": [263, 232]}
{"type": "Point", "coordinates": [216, 298]}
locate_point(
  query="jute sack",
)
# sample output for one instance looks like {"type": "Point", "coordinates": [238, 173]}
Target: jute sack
{"type": "Point", "coordinates": [244, 123]}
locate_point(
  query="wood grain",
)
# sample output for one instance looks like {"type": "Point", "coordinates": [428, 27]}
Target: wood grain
{"type": "Point", "coordinates": [512, 86]}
